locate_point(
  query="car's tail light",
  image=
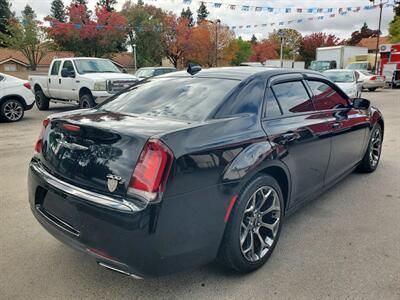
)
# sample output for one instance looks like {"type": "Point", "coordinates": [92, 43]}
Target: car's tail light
{"type": "Point", "coordinates": [38, 145]}
{"type": "Point", "coordinates": [373, 78]}
{"type": "Point", "coordinates": [151, 171]}
{"type": "Point", "coordinates": [27, 85]}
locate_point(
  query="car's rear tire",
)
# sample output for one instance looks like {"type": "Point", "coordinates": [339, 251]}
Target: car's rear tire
{"type": "Point", "coordinates": [372, 156]}
{"type": "Point", "coordinates": [252, 221]}
{"type": "Point", "coordinates": [372, 89]}
{"type": "Point", "coordinates": [11, 110]}
{"type": "Point", "coordinates": [86, 101]}
{"type": "Point", "coordinates": [42, 102]}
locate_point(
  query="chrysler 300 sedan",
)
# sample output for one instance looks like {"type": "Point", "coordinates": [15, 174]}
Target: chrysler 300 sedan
{"type": "Point", "coordinates": [182, 169]}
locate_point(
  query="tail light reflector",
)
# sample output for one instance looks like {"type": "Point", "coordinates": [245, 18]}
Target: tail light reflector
{"type": "Point", "coordinates": [38, 145]}
{"type": "Point", "coordinates": [373, 78]}
{"type": "Point", "coordinates": [70, 127]}
{"type": "Point", "coordinates": [151, 171]}
{"type": "Point", "coordinates": [27, 85]}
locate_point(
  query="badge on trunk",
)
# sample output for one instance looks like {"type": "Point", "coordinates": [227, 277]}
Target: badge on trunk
{"type": "Point", "coordinates": [113, 181]}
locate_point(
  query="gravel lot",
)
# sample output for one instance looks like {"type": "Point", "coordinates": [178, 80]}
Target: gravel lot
{"type": "Point", "coordinates": [346, 244]}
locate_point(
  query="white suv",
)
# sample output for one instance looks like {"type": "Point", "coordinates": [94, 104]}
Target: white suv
{"type": "Point", "coordinates": [15, 98]}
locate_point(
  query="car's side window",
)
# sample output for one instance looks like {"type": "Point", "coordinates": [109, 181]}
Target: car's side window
{"type": "Point", "coordinates": [271, 106]}
{"type": "Point", "coordinates": [245, 99]}
{"type": "Point", "coordinates": [1, 78]}
{"type": "Point", "coordinates": [325, 96]}
{"type": "Point", "coordinates": [56, 67]}
{"type": "Point", "coordinates": [293, 97]}
{"type": "Point", "coordinates": [158, 72]}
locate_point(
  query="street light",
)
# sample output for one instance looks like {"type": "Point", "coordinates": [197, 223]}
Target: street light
{"type": "Point", "coordinates": [281, 34]}
{"type": "Point", "coordinates": [379, 32]}
{"type": "Point", "coordinates": [134, 56]}
{"type": "Point", "coordinates": [216, 23]}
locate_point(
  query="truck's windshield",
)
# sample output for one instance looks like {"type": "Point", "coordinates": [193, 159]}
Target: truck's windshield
{"type": "Point", "coordinates": [320, 65]}
{"type": "Point", "coordinates": [84, 66]}
{"type": "Point", "coordinates": [358, 66]}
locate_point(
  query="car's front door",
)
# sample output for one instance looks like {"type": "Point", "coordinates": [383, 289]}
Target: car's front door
{"type": "Point", "coordinates": [348, 127]}
{"type": "Point", "coordinates": [298, 133]}
{"type": "Point", "coordinates": [53, 80]}
{"type": "Point", "coordinates": [67, 83]}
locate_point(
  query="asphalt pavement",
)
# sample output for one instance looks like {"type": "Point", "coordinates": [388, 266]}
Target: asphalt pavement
{"type": "Point", "coordinates": [345, 244]}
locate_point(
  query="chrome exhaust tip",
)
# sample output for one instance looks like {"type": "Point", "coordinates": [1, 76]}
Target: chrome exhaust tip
{"type": "Point", "coordinates": [119, 271]}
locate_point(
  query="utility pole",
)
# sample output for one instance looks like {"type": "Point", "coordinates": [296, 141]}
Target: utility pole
{"type": "Point", "coordinates": [379, 33]}
{"type": "Point", "coordinates": [134, 56]}
{"type": "Point", "coordinates": [281, 34]}
{"type": "Point", "coordinates": [217, 22]}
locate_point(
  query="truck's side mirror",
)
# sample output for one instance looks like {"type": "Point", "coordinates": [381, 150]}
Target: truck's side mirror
{"type": "Point", "coordinates": [67, 73]}
{"type": "Point", "coordinates": [361, 103]}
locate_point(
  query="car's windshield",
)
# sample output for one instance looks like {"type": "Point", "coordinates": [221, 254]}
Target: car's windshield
{"type": "Point", "coordinates": [84, 66]}
{"type": "Point", "coordinates": [367, 73]}
{"type": "Point", "coordinates": [358, 66]}
{"type": "Point", "coordinates": [173, 97]}
{"type": "Point", "coordinates": [144, 73]}
{"type": "Point", "coordinates": [341, 77]}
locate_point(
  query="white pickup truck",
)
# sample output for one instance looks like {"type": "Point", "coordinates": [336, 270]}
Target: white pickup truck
{"type": "Point", "coordinates": [85, 80]}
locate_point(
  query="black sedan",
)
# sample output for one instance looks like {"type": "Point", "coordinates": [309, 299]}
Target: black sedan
{"type": "Point", "coordinates": [181, 169]}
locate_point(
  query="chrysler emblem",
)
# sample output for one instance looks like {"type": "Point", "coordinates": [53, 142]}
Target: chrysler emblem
{"type": "Point", "coordinates": [113, 181]}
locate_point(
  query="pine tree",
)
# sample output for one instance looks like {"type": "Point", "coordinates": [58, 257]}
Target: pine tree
{"type": "Point", "coordinates": [5, 15]}
{"type": "Point", "coordinates": [396, 9]}
{"type": "Point", "coordinates": [140, 2]}
{"type": "Point", "coordinates": [28, 13]}
{"type": "Point", "coordinates": [202, 13]}
{"type": "Point", "coordinates": [188, 15]}
{"type": "Point", "coordinates": [79, 2]}
{"type": "Point", "coordinates": [57, 10]}
{"type": "Point", "coordinates": [108, 4]}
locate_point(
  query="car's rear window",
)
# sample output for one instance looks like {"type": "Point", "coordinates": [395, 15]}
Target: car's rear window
{"type": "Point", "coordinates": [173, 97]}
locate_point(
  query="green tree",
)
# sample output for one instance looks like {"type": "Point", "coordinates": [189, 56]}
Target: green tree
{"type": "Point", "coordinates": [394, 30]}
{"type": "Point", "coordinates": [202, 13]}
{"type": "Point", "coordinates": [358, 35]}
{"type": "Point", "coordinates": [84, 2]}
{"type": "Point", "coordinates": [5, 16]}
{"type": "Point", "coordinates": [188, 15]}
{"type": "Point", "coordinates": [140, 2]}
{"type": "Point", "coordinates": [292, 42]}
{"type": "Point", "coordinates": [26, 36]}
{"type": "Point", "coordinates": [57, 10]}
{"type": "Point", "coordinates": [108, 4]}
{"type": "Point", "coordinates": [147, 23]}
{"type": "Point", "coordinates": [243, 52]}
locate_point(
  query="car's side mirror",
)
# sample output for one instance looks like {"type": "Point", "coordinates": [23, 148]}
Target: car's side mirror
{"type": "Point", "coordinates": [66, 73]}
{"type": "Point", "coordinates": [361, 103]}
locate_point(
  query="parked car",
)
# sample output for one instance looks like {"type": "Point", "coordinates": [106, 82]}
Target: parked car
{"type": "Point", "coordinates": [370, 80]}
{"type": "Point", "coordinates": [85, 80]}
{"type": "Point", "coordinates": [347, 81]}
{"type": "Point", "coordinates": [15, 98]}
{"type": "Point", "coordinates": [181, 169]}
{"type": "Point", "coordinates": [143, 73]}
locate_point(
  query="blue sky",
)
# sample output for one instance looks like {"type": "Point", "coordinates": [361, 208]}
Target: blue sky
{"type": "Point", "coordinates": [341, 26]}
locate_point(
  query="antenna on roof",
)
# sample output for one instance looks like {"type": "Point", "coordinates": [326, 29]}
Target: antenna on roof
{"type": "Point", "coordinates": [193, 69]}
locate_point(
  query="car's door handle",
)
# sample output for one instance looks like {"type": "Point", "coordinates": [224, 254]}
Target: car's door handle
{"type": "Point", "coordinates": [59, 80]}
{"type": "Point", "coordinates": [49, 80]}
{"type": "Point", "coordinates": [287, 137]}
{"type": "Point", "coordinates": [336, 125]}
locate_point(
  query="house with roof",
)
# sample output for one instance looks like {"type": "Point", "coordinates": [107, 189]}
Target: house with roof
{"type": "Point", "coordinates": [370, 43]}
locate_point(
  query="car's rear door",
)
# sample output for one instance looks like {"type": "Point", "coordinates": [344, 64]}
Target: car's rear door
{"type": "Point", "coordinates": [67, 84]}
{"type": "Point", "coordinates": [299, 134]}
{"type": "Point", "coordinates": [348, 126]}
{"type": "Point", "coordinates": [53, 79]}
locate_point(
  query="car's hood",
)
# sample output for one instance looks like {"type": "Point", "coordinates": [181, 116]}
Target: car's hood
{"type": "Point", "coordinates": [109, 76]}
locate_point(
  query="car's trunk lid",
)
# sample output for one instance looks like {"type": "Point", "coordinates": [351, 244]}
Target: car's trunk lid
{"type": "Point", "coordinates": [88, 149]}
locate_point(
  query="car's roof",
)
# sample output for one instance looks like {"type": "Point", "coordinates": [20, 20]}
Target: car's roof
{"type": "Point", "coordinates": [154, 68]}
{"type": "Point", "coordinates": [239, 73]}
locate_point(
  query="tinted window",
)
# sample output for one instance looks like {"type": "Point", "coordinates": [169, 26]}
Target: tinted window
{"type": "Point", "coordinates": [272, 108]}
{"type": "Point", "coordinates": [325, 96]}
{"type": "Point", "coordinates": [68, 65]}
{"type": "Point", "coordinates": [178, 98]}
{"type": "Point", "coordinates": [247, 98]}
{"type": "Point", "coordinates": [56, 67]}
{"type": "Point", "coordinates": [158, 72]}
{"type": "Point", "coordinates": [293, 97]}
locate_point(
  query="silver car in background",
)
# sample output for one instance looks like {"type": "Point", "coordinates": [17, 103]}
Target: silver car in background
{"type": "Point", "coordinates": [347, 81]}
{"type": "Point", "coordinates": [370, 80]}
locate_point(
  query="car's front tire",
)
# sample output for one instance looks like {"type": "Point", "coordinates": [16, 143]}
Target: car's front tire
{"type": "Point", "coordinates": [86, 101]}
{"type": "Point", "coordinates": [42, 102]}
{"type": "Point", "coordinates": [254, 225]}
{"type": "Point", "coordinates": [11, 110]}
{"type": "Point", "coordinates": [372, 156]}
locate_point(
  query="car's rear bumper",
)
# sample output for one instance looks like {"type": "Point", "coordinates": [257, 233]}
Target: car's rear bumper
{"type": "Point", "coordinates": [371, 85]}
{"type": "Point", "coordinates": [140, 243]}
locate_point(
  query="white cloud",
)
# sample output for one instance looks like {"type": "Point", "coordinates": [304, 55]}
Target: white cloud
{"type": "Point", "coordinates": [341, 26]}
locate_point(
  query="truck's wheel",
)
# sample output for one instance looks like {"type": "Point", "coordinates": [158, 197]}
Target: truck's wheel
{"type": "Point", "coordinates": [42, 102]}
{"type": "Point", "coordinates": [86, 101]}
{"type": "Point", "coordinates": [372, 89]}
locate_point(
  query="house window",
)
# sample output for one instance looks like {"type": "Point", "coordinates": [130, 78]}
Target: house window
{"type": "Point", "coordinates": [10, 68]}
